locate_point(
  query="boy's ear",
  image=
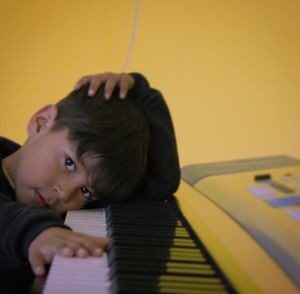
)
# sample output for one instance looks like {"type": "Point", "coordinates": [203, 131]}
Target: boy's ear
{"type": "Point", "coordinates": [42, 120]}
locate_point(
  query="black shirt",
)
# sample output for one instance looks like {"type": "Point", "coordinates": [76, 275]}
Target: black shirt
{"type": "Point", "coordinates": [19, 223]}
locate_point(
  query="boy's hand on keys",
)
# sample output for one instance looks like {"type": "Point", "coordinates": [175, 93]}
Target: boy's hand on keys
{"type": "Point", "coordinates": [111, 80]}
{"type": "Point", "coordinates": [65, 243]}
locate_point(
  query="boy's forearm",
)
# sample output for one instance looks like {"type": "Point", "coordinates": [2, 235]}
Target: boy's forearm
{"type": "Point", "coordinates": [163, 170]}
{"type": "Point", "coordinates": [19, 225]}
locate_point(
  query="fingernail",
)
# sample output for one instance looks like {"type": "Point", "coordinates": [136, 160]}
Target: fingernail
{"type": "Point", "coordinates": [39, 270]}
{"type": "Point", "coordinates": [122, 95]}
{"type": "Point", "coordinates": [106, 96]}
{"type": "Point", "coordinates": [76, 87]}
{"type": "Point", "coordinates": [82, 253]}
{"type": "Point", "coordinates": [91, 92]}
{"type": "Point", "coordinates": [98, 252]}
{"type": "Point", "coordinates": [67, 251]}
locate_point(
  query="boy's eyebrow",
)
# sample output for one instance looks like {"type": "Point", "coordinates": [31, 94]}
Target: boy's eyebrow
{"type": "Point", "coordinates": [81, 161]}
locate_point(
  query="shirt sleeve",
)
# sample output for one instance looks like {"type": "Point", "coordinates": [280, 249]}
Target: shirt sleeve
{"type": "Point", "coordinates": [163, 172]}
{"type": "Point", "coordinates": [19, 225]}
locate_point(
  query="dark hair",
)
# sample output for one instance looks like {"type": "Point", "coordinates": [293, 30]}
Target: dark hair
{"type": "Point", "coordinates": [114, 131]}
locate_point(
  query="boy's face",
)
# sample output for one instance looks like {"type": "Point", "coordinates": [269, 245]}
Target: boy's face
{"type": "Point", "coordinates": [48, 172]}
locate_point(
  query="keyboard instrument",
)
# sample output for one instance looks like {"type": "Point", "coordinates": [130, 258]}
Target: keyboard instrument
{"type": "Point", "coordinates": [152, 251]}
{"type": "Point", "coordinates": [215, 236]}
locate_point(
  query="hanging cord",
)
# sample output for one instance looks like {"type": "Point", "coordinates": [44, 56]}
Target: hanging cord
{"type": "Point", "coordinates": [134, 33]}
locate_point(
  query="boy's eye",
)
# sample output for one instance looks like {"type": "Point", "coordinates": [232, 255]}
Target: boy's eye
{"type": "Point", "coordinates": [69, 163]}
{"type": "Point", "coordinates": [86, 193]}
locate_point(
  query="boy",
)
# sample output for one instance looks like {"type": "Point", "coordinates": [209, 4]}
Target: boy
{"type": "Point", "coordinates": [73, 158]}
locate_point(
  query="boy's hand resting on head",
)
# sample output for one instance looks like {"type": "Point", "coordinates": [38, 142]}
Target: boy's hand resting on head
{"type": "Point", "coordinates": [65, 243]}
{"type": "Point", "coordinates": [124, 81]}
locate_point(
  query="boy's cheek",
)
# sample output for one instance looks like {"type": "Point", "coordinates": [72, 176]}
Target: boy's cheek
{"type": "Point", "coordinates": [24, 195]}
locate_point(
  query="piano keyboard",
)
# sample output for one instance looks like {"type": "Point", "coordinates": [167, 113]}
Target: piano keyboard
{"type": "Point", "coordinates": [153, 250]}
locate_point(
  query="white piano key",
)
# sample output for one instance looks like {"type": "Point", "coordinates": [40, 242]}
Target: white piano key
{"type": "Point", "coordinates": [69, 275]}
{"type": "Point", "coordinates": [90, 222]}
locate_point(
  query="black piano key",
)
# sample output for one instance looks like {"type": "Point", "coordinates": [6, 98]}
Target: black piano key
{"type": "Point", "coordinates": [172, 251]}
{"type": "Point", "coordinates": [142, 221]}
{"type": "Point", "coordinates": [156, 242]}
{"type": "Point", "coordinates": [159, 208]}
{"type": "Point", "coordinates": [145, 214]}
{"type": "Point", "coordinates": [120, 229]}
{"type": "Point", "coordinates": [157, 286]}
{"type": "Point", "coordinates": [154, 253]}
{"type": "Point", "coordinates": [161, 268]}
{"type": "Point", "coordinates": [194, 267]}
{"type": "Point", "coordinates": [143, 205]}
{"type": "Point", "coordinates": [183, 279]}
{"type": "Point", "coordinates": [134, 249]}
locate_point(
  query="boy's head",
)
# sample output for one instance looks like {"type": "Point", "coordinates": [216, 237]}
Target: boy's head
{"type": "Point", "coordinates": [114, 133]}
{"type": "Point", "coordinates": [83, 149]}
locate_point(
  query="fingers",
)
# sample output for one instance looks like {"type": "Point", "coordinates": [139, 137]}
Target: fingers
{"type": "Point", "coordinates": [80, 245]}
{"type": "Point", "coordinates": [95, 84]}
{"type": "Point", "coordinates": [97, 252]}
{"type": "Point", "coordinates": [81, 82]}
{"type": "Point", "coordinates": [40, 258]}
{"type": "Point", "coordinates": [123, 86]}
{"type": "Point", "coordinates": [110, 85]}
{"type": "Point", "coordinates": [80, 250]}
{"type": "Point", "coordinates": [92, 246]}
{"type": "Point", "coordinates": [37, 263]}
{"type": "Point", "coordinates": [111, 80]}
{"type": "Point", "coordinates": [64, 243]}
{"type": "Point", "coordinates": [123, 80]}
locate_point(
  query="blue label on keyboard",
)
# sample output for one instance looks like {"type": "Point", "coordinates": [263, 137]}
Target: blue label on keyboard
{"type": "Point", "coordinates": [284, 201]}
{"type": "Point", "coordinates": [260, 190]}
{"type": "Point", "coordinates": [295, 214]}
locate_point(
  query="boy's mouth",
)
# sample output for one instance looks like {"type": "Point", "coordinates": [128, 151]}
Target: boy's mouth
{"type": "Point", "coordinates": [40, 200]}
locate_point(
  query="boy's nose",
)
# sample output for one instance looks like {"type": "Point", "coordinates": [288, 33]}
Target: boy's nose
{"type": "Point", "coordinates": [64, 192]}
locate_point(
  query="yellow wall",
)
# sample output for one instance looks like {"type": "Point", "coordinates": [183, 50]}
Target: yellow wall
{"type": "Point", "coordinates": [229, 69]}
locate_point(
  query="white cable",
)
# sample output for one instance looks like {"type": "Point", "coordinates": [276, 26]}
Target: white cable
{"type": "Point", "coordinates": [134, 33]}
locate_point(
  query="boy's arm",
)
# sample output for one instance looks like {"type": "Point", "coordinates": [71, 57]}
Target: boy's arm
{"type": "Point", "coordinates": [34, 235]}
{"type": "Point", "coordinates": [19, 225]}
{"type": "Point", "coordinates": [163, 170]}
